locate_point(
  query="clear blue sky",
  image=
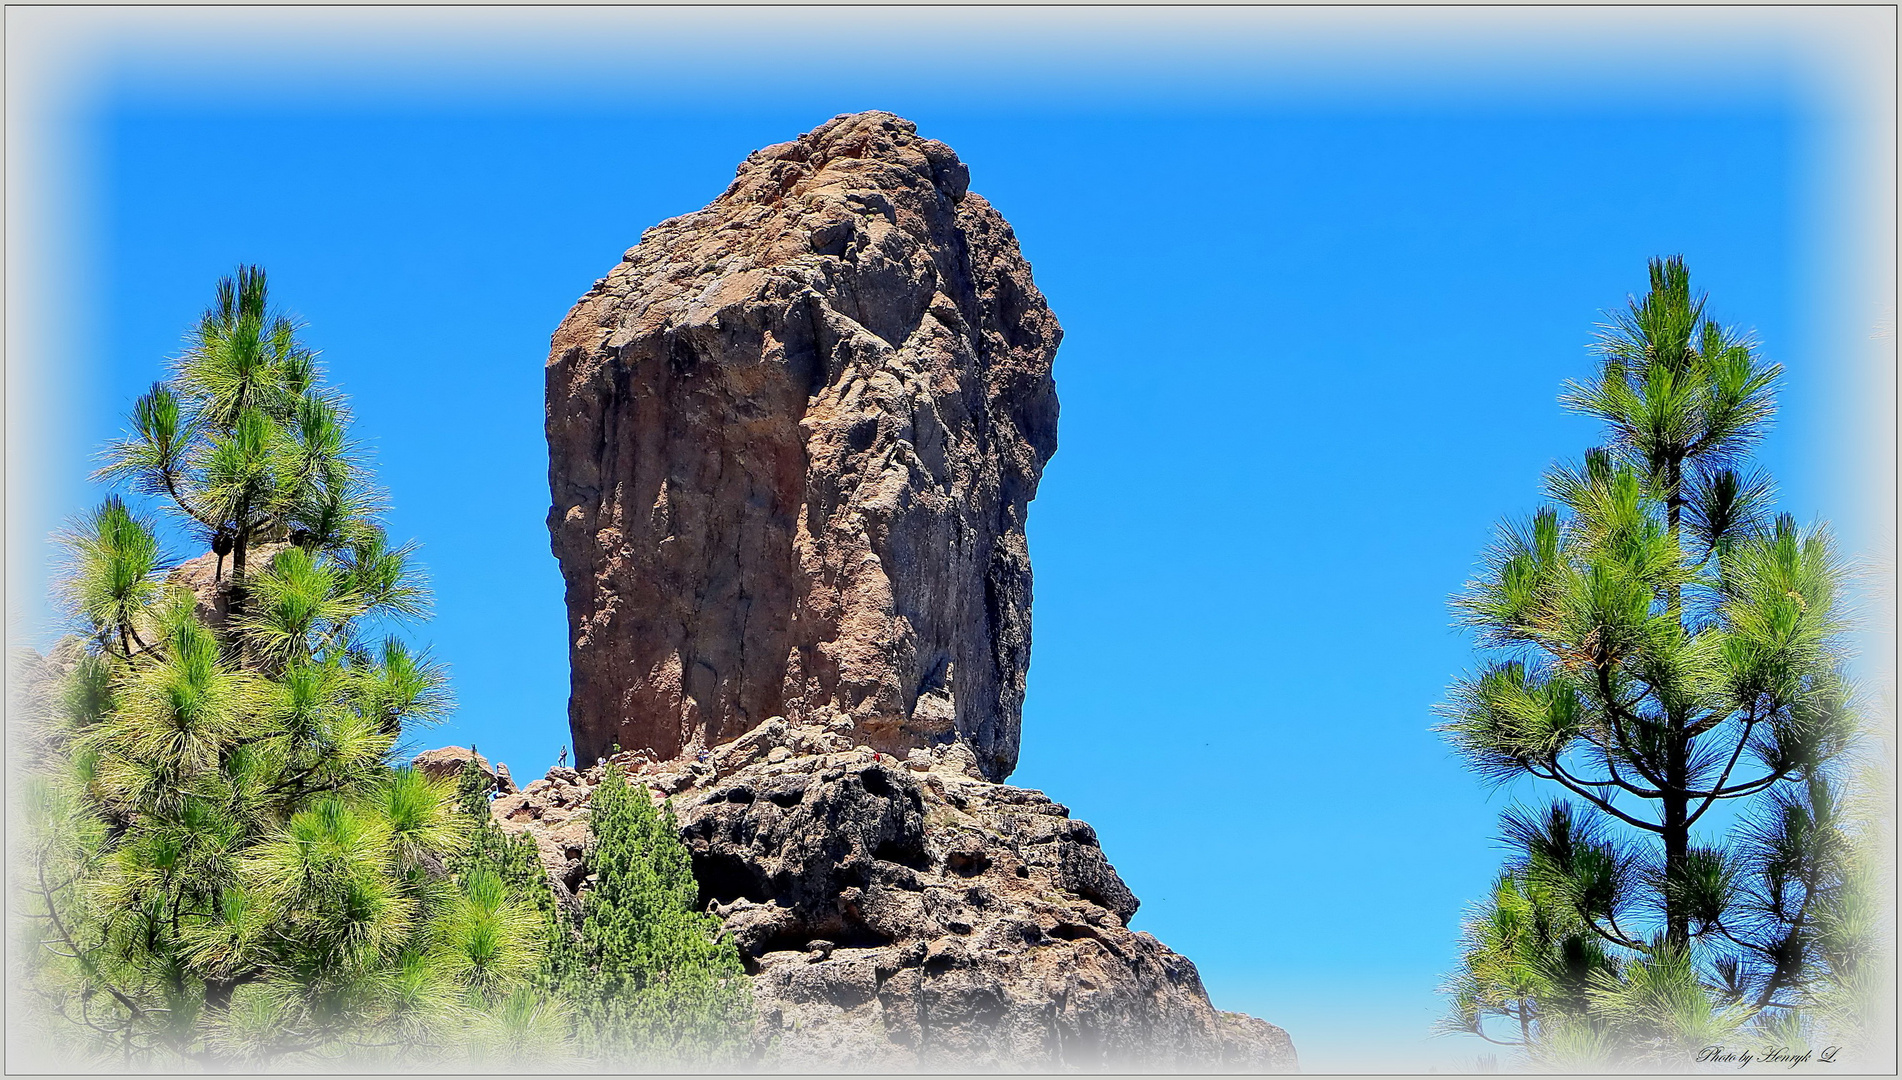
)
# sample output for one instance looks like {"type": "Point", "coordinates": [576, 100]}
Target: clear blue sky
{"type": "Point", "coordinates": [1312, 346]}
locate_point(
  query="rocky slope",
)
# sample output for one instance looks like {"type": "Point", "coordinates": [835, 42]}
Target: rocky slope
{"type": "Point", "coordinates": [906, 914]}
{"type": "Point", "coordinates": [791, 440]}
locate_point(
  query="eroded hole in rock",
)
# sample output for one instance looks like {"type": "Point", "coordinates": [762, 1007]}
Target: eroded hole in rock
{"type": "Point", "coordinates": [876, 783]}
{"type": "Point", "coordinates": [786, 941]}
{"type": "Point", "coordinates": [970, 862]}
{"type": "Point", "coordinates": [940, 963]}
{"type": "Point", "coordinates": [847, 934]}
{"type": "Point", "coordinates": [857, 935]}
{"type": "Point", "coordinates": [681, 357]}
{"type": "Point", "coordinates": [785, 798]}
{"type": "Point", "coordinates": [741, 795]}
{"type": "Point", "coordinates": [831, 238]}
{"type": "Point", "coordinates": [724, 879]}
{"type": "Point", "coordinates": [908, 851]}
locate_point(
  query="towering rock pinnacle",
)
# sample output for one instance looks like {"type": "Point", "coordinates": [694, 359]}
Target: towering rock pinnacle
{"type": "Point", "coordinates": [792, 438]}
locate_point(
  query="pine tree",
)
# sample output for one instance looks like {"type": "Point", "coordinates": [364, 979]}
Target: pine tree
{"type": "Point", "coordinates": [220, 864]}
{"type": "Point", "coordinates": [1659, 644]}
{"type": "Point", "coordinates": [654, 981]}
{"type": "Point", "coordinates": [516, 862]}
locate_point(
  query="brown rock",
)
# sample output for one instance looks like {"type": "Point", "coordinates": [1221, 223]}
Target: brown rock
{"type": "Point", "coordinates": [792, 438]}
{"type": "Point", "coordinates": [36, 700]}
{"type": "Point", "coordinates": [448, 761]}
{"type": "Point", "coordinates": [209, 578]}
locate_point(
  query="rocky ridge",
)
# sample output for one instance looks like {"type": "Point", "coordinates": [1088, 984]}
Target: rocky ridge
{"type": "Point", "coordinates": [901, 914]}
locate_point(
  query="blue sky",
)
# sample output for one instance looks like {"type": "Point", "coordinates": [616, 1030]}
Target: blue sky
{"type": "Point", "coordinates": [1313, 341]}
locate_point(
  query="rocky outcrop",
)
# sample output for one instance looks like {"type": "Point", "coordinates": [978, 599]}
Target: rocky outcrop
{"type": "Point", "coordinates": [446, 763]}
{"type": "Point", "coordinates": [906, 914]}
{"type": "Point", "coordinates": [792, 437]}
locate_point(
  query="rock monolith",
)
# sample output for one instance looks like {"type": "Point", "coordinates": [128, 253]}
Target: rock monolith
{"type": "Point", "coordinates": [792, 438]}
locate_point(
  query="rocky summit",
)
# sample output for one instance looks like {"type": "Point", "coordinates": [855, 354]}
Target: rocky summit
{"type": "Point", "coordinates": [792, 439]}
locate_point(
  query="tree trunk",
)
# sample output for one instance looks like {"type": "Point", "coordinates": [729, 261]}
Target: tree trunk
{"type": "Point", "coordinates": [218, 993]}
{"type": "Point", "coordinates": [1676, 787]}
{"type": "Point", "coordinates": [1677, 840]}
{"type": "Point", "coordinates": [240, 540]}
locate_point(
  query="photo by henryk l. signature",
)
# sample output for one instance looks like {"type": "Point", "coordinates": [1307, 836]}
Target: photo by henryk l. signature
{"type": "Point", "coordinates": [1785, 1056]}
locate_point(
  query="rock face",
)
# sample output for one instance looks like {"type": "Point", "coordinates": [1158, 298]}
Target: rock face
{"type": "Point", "coordinates": [792, 437]}
{"type": "Point", "coordinates": [901, 915]}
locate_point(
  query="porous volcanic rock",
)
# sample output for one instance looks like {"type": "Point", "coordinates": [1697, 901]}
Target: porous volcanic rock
{"type": "Point", "coordinates": [792, 437]}
{"type": "Point", "coordinates": [911, 914]}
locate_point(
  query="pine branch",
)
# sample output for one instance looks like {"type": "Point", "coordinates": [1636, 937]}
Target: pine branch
{"type": "Point", "coordinates": [1750, 721]}
{"type": "Point", "coordinates": [1618, 712]}
{"type": "Point", "coordinates": [1573, 785]}
{"type": "Point", "coordinates": [85, 960]}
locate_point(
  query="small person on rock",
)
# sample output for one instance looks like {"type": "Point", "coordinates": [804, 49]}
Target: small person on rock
{"type": "Point", "coordinates": [562, 760]}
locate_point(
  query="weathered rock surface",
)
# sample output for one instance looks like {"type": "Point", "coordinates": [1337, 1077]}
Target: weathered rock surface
{"type": "Point", "coordinates": [792, 437]}
{"type": "Point", "coordinates": [906, 914]}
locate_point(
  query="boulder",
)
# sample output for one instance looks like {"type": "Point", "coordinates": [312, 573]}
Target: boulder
{"type": "Point", "coordinates": [792, 440]}
{"type": "Point", "coordinates": [448, 761]}
{"type": "Point", "coordinates": [209, 578]}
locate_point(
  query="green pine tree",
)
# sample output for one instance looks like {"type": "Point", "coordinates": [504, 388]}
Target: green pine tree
{"type": "Point", "coordinates": [219, 865]}
{"type": "Point", "coordinates": [654, 980]}
{"type": "Point", "coordinates": [516, 862]}
{"type": "Point", "coordinates": [1659, 644]}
